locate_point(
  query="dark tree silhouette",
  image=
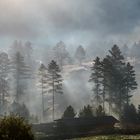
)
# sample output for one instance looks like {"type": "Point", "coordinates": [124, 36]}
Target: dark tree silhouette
{"type": "Point", "coordinates": [138, 113]}
{"type": "Point", "coordinates": [117, 81]}
{"type": "Point", "coordinates": [123, 78]}
{"type": "Point", "coordinates": [107, 71]}
{"type": "Point", "coordinates": [86, 112]}
{"type": "Point", "coordinates": [96, 78]}
{"type": "Point", "coordinates": [129, 81]}
{"type": "Point", "coordinates": [69, 112]}
{"type": "Point", "coordinates": [55, 80]}
{"type": "Point", "coordinates": [113, 80]}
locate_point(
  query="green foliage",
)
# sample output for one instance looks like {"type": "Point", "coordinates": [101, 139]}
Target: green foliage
{"type": "Point", "coordinates": [15, 128]}
{"type": "Point", "coordinates": [69, 112]}
{"type": "Point", "coordinates": [86, 112]}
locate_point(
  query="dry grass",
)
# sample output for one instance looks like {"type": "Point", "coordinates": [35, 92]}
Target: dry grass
{"type": "Point", "coordinates": [112, 137]}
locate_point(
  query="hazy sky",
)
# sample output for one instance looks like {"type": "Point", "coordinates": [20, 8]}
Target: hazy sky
{"type": "Point", "coordinates": [73, 21]}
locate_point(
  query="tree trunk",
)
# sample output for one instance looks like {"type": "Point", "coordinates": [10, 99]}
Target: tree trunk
{"type": "Point", "coordinates": [53, 100]}
{"type": "Point", "coordinates": [42, 101]}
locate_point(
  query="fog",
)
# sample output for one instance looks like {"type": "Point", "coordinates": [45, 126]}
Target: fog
{"type": "Point", "coordinates": [95, 24]}
{"type": "Point", "coordinates": [84, 22]}
{"type": "Point", "coordinates": [77, 91]}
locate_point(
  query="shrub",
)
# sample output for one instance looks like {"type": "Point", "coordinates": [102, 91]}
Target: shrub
{"type": "Point", "coordinates": [15, 128]}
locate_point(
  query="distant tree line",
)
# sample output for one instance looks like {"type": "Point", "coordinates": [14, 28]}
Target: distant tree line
{"type": "Point", "coordinates": [86, 112]}
{"type": "Point", "coordinates": [113, 80]}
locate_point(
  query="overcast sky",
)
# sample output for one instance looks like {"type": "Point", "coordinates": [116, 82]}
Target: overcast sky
{"type": "Point", "coordinates": [73, 21]}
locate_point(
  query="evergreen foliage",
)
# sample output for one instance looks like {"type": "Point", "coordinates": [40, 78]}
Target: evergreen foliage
{"type": "Point", "coordinates": [55, 80]}
{"type": "Point", "coordinates": [113, 80]}
{"type": "Point", "coordinates": [95, 78]}
{"type": "Point", "coordinates": [69, 112]}
{"type": "Point", "coordinates": [15, 128]}
{"type": "Point", "coordinates": [86, 112]}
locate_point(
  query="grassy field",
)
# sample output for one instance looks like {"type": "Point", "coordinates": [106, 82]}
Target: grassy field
{"type": "Point", "coordinates": [112, 137]}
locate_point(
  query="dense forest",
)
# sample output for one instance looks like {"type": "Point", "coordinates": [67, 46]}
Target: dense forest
{"type": "Point", "coordinates": [61, 83]}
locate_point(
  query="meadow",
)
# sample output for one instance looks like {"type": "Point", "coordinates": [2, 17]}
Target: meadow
{"type": "Point", "coordinates": [112, 137]}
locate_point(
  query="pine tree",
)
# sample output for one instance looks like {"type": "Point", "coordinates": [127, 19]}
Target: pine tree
{"type": "Point", "coordinates": [80, 54]}
{"type": "Point", "coordinates": [96, 78]}
{"type": "Point", "coordinates": [5, 68]}
{"type": "Point", "coordinates": [117, 82]}
{"type": "Point", "coordinates": [55, 80]}
{"type": "Point", "coordinates": [43, 84]}
{"type": "Point", "coordinates": [21, 72]}
{"type": "Point", "coordinates": [69, 112]}
{"type": "Point", "coordinates": [60, 54]}
{"type": "Point", "coordinates": [113, 80]}
{"type": "Point", "coordinates": [86, 112]}
{"type": "Point", "coordinates": [108, 83]}
{"type": "Point", "coordinates": [129, 81]}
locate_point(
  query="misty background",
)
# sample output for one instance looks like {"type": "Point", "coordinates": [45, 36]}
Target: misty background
{"type": "Point", "coordinates": [94, 24]}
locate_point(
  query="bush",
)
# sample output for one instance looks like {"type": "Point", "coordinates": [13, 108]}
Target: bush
{"type": "Point", "coordinates": [15, 128]}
